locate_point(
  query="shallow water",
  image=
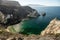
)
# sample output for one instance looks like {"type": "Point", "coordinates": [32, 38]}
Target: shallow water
{"type": "Point", "coordinates": [35, 26]}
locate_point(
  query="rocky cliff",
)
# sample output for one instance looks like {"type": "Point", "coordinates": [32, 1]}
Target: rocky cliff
{"type": "Point", "coordinates": [14, 14]}
{"type": "Point", "coordinates": [52, 28]}
{"type": "Point", "coordinates": [52, 32]}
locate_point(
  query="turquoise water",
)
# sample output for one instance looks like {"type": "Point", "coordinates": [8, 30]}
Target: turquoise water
{"type": "Point", "coordinates": [35, 26]}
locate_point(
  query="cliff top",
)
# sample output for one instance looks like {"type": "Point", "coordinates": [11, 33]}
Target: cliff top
{"type": "Point", "coordinates": [52, 28]}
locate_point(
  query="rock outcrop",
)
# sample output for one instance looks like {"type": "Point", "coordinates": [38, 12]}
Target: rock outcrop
{"type": "Point", "coordinates": [52, 28]}
{"type": "Point", "coordinates": [43, 13]}
{"type": "Point", "coordinates": [52, 31]}
{"type": "Point", "coordinates": [31, 10]}
{"type": "Point", "coordinates": [10, 36]}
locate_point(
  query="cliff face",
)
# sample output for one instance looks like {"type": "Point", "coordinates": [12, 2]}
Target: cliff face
{"type": "Point", "coordinates": [14, 13]}
{"type": "Point", "coordinates": [52, 32]}
{"type": "Point", "coordinates": [31, 10]}
{"type": "Point", "coordinates": [52, 28]}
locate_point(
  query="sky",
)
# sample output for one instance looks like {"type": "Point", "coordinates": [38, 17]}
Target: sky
{"type": "Point", "coordinates": [40, 2]}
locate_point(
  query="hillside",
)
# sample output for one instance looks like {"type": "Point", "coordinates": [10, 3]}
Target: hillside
{"type": "Point", "coordinates": [9, 3]}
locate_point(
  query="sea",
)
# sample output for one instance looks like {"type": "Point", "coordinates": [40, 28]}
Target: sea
{"type": "Point", "coordinates": [37, 25]}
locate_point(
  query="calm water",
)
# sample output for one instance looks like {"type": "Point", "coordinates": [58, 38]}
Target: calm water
{"type": "Point", "coordinates": [35, 26]}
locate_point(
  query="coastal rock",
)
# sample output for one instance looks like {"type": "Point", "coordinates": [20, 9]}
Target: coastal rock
{"type": "Point", "coordinates": [11, 16]}
{"type": "Point", "coordinates": [52, 28]}
{"type": "Point", "coordinates": [50, 33]}
{"type": "Point", "coordinates": [43, 13]}
{"type": "Point", "coordinates": [31, 10]}
{"type": "Point", "coordinates": [4, 35]}
{"type": "Point", "coordinates": [14, 15]}
{"type": "Point", "coordinates": [1, 17]}
{"type": "Point", "coordinates": [50, 37]}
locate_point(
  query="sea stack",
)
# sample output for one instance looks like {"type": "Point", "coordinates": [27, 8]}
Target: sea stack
{"type": "Point", "coordinates": [43, 13]}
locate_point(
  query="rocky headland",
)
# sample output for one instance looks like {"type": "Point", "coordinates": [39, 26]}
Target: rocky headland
{"type": "Point", "coordinates": [13, 14]}
{"type": "Point", "coordinates": [51, 32]}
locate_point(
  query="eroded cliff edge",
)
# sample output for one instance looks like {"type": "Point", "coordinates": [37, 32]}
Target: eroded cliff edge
{"type": "Point", "coordinates": [52, 28]}
{"type": "Point", "coordinates": [51, 32]}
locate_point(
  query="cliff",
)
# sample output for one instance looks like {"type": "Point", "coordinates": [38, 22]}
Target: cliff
{"type": "Point", "coordinates": [52, 28]}
{"type": "Point", "coordinates": [31, 10]}
{"type": "Point", "coordinates": [51, 32]}
{"type": "Point", "coordinates": [13, 11]}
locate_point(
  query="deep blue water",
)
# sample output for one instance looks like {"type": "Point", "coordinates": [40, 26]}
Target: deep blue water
{"type": "Point", "coordinates": [35, 26]}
